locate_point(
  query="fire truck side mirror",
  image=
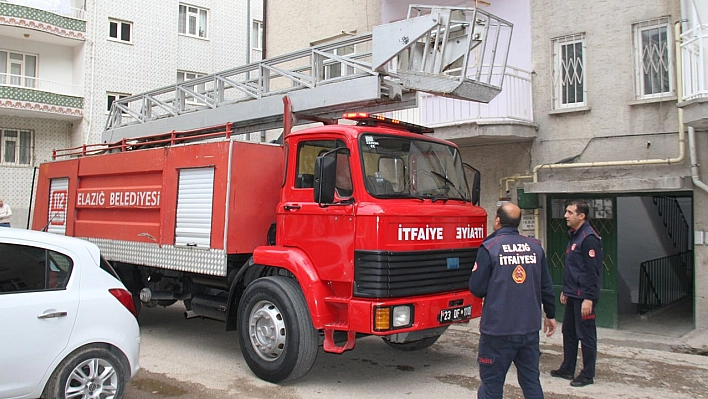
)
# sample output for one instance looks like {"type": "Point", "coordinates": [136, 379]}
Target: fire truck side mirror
{"type": "Point", "coordinates": [325, 175]}
{"type": "Point", "coordinates": [476, 182]}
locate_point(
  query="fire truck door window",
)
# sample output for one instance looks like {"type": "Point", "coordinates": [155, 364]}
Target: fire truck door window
{"type": "Point", "coordinates": [308, 151]}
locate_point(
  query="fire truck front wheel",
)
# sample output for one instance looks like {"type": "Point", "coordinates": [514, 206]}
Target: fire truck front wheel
{"type": "Point", "coordinates": [275, 330]}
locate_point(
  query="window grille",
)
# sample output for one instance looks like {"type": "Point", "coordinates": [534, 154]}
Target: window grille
{"type": "Point", "coordinates": [653, 58]}
{"type": "Point", "coordinates": [569, 86]}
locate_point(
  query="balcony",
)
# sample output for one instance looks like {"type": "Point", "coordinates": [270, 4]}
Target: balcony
{"type": "Point", "coordinates": [694, 58]}
{"type": "Point", "coordinates": [37, 98]}
{"type": "Point", "coordinates": [46, 20]}
{"type": "Point", "coordinates": [508, 117]}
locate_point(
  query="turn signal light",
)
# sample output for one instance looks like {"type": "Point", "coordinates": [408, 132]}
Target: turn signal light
{"type": "Point", "coordinates": [382, 319]}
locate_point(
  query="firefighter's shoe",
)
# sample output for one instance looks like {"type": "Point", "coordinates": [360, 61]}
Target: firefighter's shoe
{"type": "Point", "coordinates": [561, 374]}
{"type": "Point", "coordinates": [581, 381]}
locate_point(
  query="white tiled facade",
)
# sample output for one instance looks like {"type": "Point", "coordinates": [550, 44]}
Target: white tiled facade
{"type": "Point", "coordinates": [79, 61]}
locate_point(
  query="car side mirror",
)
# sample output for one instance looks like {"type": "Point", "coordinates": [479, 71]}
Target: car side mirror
{"type": "Point", "coordinates": [325, 177]}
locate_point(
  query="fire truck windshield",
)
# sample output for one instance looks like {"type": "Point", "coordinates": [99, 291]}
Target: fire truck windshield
{"type": "Point", "coordinates": [400, 167]}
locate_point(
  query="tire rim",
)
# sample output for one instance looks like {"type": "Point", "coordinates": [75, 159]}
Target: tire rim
{"type": "Point", "coordinates": [93, 378]}
{"type": "Point", "coordinates": [266, 329]}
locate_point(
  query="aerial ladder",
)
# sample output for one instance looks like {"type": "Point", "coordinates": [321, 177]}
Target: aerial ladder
{"type": "Point", "coordinates": [457, 52]}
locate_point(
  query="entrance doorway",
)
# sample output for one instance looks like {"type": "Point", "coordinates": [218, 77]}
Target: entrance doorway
{"type": "Point", "coordinates": [648, 267]}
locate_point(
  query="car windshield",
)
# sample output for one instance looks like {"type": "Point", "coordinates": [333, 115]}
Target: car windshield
{"type": "Point", "coordinates": [399, 167]}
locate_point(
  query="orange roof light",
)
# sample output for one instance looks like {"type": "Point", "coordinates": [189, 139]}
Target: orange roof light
{"type": "Point", "coordinates": [366, 119]}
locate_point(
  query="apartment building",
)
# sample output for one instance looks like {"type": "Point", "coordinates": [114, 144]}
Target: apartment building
{"type": "Point", "coordinates": [592, 107]}
{"type": "Point", "coordinates": [63, 63]}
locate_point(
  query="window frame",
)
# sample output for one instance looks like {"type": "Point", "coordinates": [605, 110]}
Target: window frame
{"type": "Point", "coordinates": [183, 26]}
{"type": "Point", "coordinates": [24, 79]}
{"type": "Point", "coordinates": [256, 35]}
{"type": "Point", "coordinates": [335, 69]}
{"type": "Point", "coordinates": [201, 88]}
{"type": "Point", "coordinates": [117, 96]}
{"type": "Point", "coordinates": [558, 46]}
{"type": "Point", "coordinates": [119, 31]}
{"type": "Point", "coordinates": [640, 87]}
{"type": "Point", "coordinates": [19, 148]}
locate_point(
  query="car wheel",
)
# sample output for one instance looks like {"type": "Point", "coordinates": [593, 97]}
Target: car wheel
{"type": "Point", "coordinates": [413, 345]}
{"type": "Point", "coordinates": [88, 373]}
{"type": "Point", "coordinates": [275, 330]}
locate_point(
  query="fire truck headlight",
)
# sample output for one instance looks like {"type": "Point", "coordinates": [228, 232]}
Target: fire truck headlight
{"type": "Point", "coordinates": [401, 316]}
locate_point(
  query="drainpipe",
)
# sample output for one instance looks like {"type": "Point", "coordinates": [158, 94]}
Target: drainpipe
{"type": "Point", "coordinates": [694, 161]}
{"type": "Point", "coordinates": [93, 74]}
{"type": "Point", "coordinates": [637, 162]}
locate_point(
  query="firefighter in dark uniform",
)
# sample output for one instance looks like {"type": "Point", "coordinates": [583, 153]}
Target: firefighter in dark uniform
{"type": "Point", "coordinates": [581, 291]}
{"type": "Point", "coordinates": [512, 276]}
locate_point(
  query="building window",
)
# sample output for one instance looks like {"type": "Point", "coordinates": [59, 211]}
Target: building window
{"type": "Point", "coordinates": [257, 35]}
{"type": "Point", "coordinates": [18, 69]}
{"type": "Point", "coordinates": [569, 88]}
{"type": "Point", "coordinates": [184, 76]}
{"type": "Point", "coordinates": [192, 21]}
{"type": "Point", "coordinates": [114, 96]}
{"type": "Point", "coordinates": [120, 30]}
{"type": "Point", "coordinates": [16, 146]}
{"type": "Point", "coordinates": [653, 58]}
{"type": "Point", "coordinates": [335, 69]}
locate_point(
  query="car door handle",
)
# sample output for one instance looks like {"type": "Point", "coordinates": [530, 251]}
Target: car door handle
{"type": "Point", "coordinates": [52, 315]}
{"type": "Point", "coordinates": [291, 207]}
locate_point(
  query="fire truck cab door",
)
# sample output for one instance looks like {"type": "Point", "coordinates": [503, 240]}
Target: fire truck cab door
{"type": "Point", "coordinates": [324, 233]}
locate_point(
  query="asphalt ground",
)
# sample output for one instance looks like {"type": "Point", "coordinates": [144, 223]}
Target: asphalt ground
{"type": "Point", "coordinates": [196, 358]}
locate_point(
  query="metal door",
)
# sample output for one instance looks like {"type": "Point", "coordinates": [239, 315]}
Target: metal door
{"type": "Point", "coordinates": [603, 219]}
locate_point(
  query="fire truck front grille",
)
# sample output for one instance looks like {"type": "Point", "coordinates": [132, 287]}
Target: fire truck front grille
{"type": "Point", "coordinates": [386, 274]}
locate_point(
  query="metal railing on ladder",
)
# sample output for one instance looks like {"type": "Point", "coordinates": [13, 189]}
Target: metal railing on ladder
{"type": "Point", "coordinates": [379, 71]}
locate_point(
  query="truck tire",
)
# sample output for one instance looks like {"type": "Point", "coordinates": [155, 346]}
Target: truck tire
{"type": "Point", "coordinates": [413, 345]}
{"type": "Point", "coordinates": [90, 372]}
{"type": "Point", "coordinates": [275, 330]}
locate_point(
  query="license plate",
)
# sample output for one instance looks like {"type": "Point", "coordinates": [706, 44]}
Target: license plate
{"type": "Point", "coordinates": [455, 314]}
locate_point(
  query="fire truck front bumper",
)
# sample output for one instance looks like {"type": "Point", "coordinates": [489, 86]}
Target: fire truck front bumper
{"type": "Point", "coordinates": [399, 315]}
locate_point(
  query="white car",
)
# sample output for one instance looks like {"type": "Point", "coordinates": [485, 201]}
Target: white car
{"type": "Point", "coordinates": [68, 327]}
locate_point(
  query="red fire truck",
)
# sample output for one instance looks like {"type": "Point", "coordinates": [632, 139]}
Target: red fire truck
{"type": "Point", "coordinates": [365, 227]}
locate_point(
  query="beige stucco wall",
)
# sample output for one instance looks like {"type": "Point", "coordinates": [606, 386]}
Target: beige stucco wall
{"type": "Point", "coordinates": [316, 21]}
{"type": "Point", "coordinates": [614, 128]}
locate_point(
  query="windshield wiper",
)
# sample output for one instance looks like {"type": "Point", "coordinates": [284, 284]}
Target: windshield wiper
{"type": "Point", "coordinates": [448, 183]}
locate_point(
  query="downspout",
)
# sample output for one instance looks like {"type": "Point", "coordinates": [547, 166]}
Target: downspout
{"type": "Point", "coordinates": [695, 176]}
{"type": "Point", "coordinates": [637, 162]}
{"type": "Point", "coordinates": [694, 161]}
{"type": "Point", "coordinates": [93, 73]}
{"type": "Point", "coordinates": [248, 32]}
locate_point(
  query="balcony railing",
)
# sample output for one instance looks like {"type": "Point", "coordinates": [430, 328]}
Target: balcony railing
{"type": "Point", "coordinates": [694, 51]}
{"type": "Point", "coordinates": [30, 82]}
{"type": "Point", "coordinates": [60, 7]}
{"type": "Point", "coordinates": [30, 94]}
{"type": "Point", "coordinates": [513, 104]}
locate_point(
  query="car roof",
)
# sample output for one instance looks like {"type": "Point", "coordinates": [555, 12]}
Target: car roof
{"type": "Point", "coordinates": [43, 239]}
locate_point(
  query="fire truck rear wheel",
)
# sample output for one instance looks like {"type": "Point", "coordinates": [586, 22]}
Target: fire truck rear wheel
{"type": "Point", "coordinates": [275, 330]}
{"type": "Point", "coordinates": [413, 345]}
